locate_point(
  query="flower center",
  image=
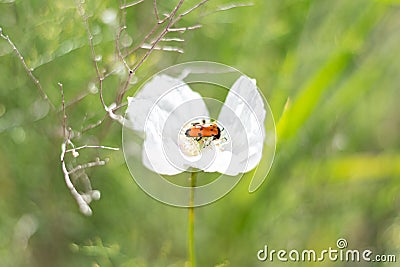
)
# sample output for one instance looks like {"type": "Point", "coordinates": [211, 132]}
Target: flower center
{"type": "Point", "coordinates": [200, 134]}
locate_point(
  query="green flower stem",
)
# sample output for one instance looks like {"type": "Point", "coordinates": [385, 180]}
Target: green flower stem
{"type": "Point", "coordinates": [192, 258]}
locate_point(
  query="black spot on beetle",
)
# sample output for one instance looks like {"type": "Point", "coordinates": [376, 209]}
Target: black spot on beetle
{"type": "Point", "coordinates": [218, 135]}
{"type": "Point", "coordinates": [187, 133]}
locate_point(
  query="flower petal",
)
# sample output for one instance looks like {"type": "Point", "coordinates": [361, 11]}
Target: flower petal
{"type": "Point", "coordinates": [221, 162]}
{"type": "Point", "coordinates": [160, 110]}
{"type": "Point", "coordinates": [243, 116]}
{"type": "Point", "coordinates": [164, 91]}
{"type": "Point", "coordinates": [153, 155]}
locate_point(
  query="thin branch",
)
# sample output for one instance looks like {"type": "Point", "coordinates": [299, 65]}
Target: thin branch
{"type": "Point", "coordinates": [190, 10]}
{"type": "Point", "coordinates": [156, 10]}
{"type": "Point", "coordinates": [124, 89]}
{"type": "Point", "coordinates": [152, 31]}
{"type": "Point", "coordinates": [27, 69]}
{"type": "Point", "coordinates": [172, 40]}
{"type": "Point", "coordinates": [123, 12]}
{"type": "Point", "coordinates": [64, 119]}
{"type": "Point", "coordinates": [76, 100]}
{"type": "Point", "coordinates": [96, 163]}
{"type": "Point", "coordinates": [172, 19]}
{"type": "Point", "coordinates": [113, 71]}
{"type": "Point", "coordinates": [131, 4]}
{"type": "Point", "coordinates": [163, 48]}
{"type": "Point", "coordinates": [121, 57]}
{"type": "Point", "coordinates": [94, 125]}
{"type": "Point", "coordinates": [161, 35]}
{"type": "Point", "coordinates": [132, 71]}
{"type": "Point", "coordinates": [121, 29]}
{"type": "Point", "coordinates": [82, 199]}
{"type": "Point", "coordinates": [120, 106]}
{"type": "Point", "coordinates": [93, 52]}
{"type": "Point", "coordinates": [155, 28]}
{"type": "Point", "coordinates": [91, 146]}
{"type": "Point", "coordinates": [234, 5]}
{"type": "Point", "coordinates": [83, 206]}
{"type": "Point", "coordinates": [229, 7]}
{"type": "Point", "coordinates": [184, 29]}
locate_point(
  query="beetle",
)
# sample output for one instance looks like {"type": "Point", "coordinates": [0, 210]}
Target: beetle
{"type": "Point", "coordinates": [200, 130]}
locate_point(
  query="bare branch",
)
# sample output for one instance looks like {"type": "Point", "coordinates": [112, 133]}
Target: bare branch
{"type": "Point", "coordinates": [94, 125]}
{"type": "Point", "coordinates": [83, 199]}
{"type": "Point", "coordinates": [172, 19]}
{"type": "Point", "coordinates": [64, 119]}
{"type": "Point", "coordinates": [155, 10]}
{"type": "Point", "coordinates": [91, 146]}
{"type": "Point", "coordinates": [121, 29]}
{"type": "Point", "coordinates": [184, 29]}
{"type": "Point", "coordinates": [172, 40]}
{"type": "Point", "coordinates": [160, 22]}
{"type": "Point", "coordinates": [131, 4]}
{"type": "Point", "coordinates": [83, 206]}
{"type": "Point", "coordinates": [27, 69]}
{"type": "Point", "coordinates": [120, 106]}
{"type": "Point", "coordinates": [123, 13]}
{"type": "Point", "coordinates": [117, 40]}
{"type": "Point", "coordinates": [190, 10]}
{"type": "Point", "coordinates": [152, 31]}
{"type": "Point", "coordinates": [75, 100]}
{"type": "Point", "coordinates": [96, 163]}
{"type": "Point", "coordinates": [90, 36]}
{"type": "Point", "coordinates": [234, 5]}
{"type": "Point", "coordinates": [229, 7]}
{"type": "Point", "coordinates": [160, 36]}
{"type": "Point", "coordinates": [163, 48]}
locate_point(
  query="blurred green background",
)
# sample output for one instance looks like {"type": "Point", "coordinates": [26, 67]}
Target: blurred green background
{"type": "Point", "coordinates": [330, 71]}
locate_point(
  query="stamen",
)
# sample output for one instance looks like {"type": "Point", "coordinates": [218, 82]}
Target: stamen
{"type": "Point", "coordinates": [197, 135]}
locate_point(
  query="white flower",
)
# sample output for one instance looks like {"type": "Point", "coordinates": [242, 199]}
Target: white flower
{"type": "Point", "coordinates": [166, 108]}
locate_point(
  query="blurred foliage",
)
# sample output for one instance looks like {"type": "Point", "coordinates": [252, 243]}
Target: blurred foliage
{"type": "Point", "coordinates": [330, 72]}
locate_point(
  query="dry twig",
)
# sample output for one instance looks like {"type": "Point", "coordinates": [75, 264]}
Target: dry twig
{"type": "Point", "coordinates": [27, 69]}
{"type": "Point", "coordinates": [82, 199]}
